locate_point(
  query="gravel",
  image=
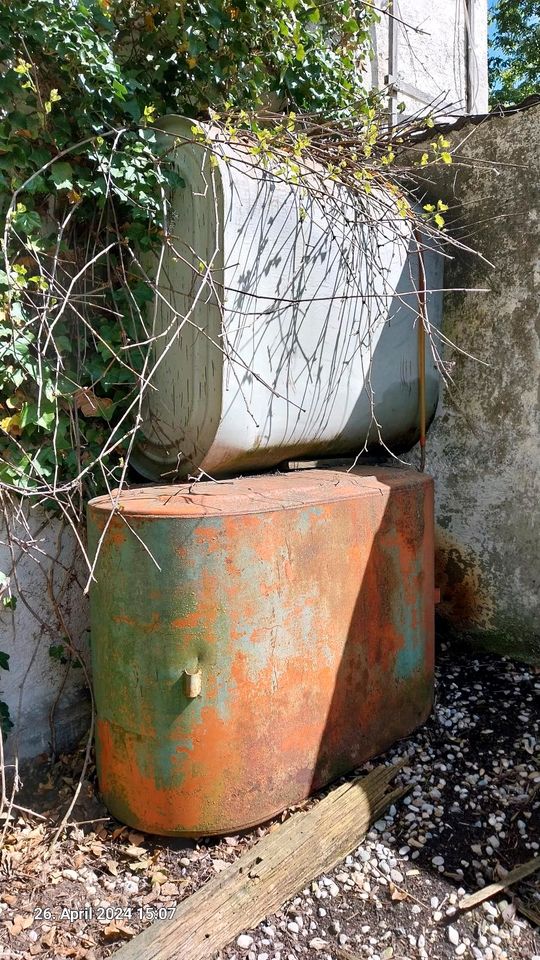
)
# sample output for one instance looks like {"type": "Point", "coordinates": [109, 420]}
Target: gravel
{"type": "Point", "coordinates": [471, 815]}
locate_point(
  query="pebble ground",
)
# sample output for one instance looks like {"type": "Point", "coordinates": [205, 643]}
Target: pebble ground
{"type": "Point", "coordinates": [472, 813]}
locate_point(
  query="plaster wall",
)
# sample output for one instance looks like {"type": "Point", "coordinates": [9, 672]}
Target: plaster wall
{"type": "Point", "coordinates": [440, 49]}
{"type": "Point", "coordinates": [484, 445]}
{"type": "Point", "coordinates": [47, 700]}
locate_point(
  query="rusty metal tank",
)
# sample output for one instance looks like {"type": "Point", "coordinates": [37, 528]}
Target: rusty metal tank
{"type": "Point", "coordinates": [254, 639]}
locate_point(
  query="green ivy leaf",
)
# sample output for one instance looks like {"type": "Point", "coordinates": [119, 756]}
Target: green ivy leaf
{"type": "Point", "coordinates": [27, 221]}
{"type": "Point", "coordinates": [57, 652]}
{"type": "Point", "coordinates": [62, 175]}
{"type": "Point", "coordinates": [5, 720]}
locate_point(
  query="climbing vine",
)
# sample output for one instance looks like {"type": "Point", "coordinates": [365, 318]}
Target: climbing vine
{"type": "Point", "coordinates": [82, 86]}
{"type": "Point", "coordinates": [85, 191]}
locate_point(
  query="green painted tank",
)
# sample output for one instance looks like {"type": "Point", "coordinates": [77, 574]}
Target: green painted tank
{"type": "Point", "coordinates": [254, 639]}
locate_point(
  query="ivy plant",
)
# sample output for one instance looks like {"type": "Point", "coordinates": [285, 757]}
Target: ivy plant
{"type": "Point", "coordinates": [82, 84]}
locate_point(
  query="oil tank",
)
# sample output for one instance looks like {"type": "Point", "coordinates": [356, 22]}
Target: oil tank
{"type": "Point", "coordinates": [286, 319]}
{"type": "Point", "coordinates": [254, 639]}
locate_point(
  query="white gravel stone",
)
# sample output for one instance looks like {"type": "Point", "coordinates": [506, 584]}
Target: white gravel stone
{"type": "Point", "coordinates": [453, 935]}
{"type": "Point", "coordinates": [244, 941]}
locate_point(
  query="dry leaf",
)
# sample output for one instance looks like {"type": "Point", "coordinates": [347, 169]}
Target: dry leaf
{"type": "Point", "coordinates": [169, 890]}
{"type": "Point", "coordinates": [46, 785]}
{"type": "Point", "coordinates": [117, 930]}
{"type": "Point", "coordinates": [112, 867]}
{"type": "Point", "coordinates": [49, 937]}
{"type": "Point", "coordinates": [90, 405]}
{"type": "Point", "coordinates": [133, 851]}
{"type": "Point", "coordinates": [9, 899]}
{"type": "Point", "coordinates": [158, 878]}
{"type": "Point", "coordinates": [12, 425]}
{"type": "Point", "coordinates": [136, 838]}
{"type": "Point", "coordinates": [396, 893]}
{"type": "Point", "coordinates": [219, 865]}
{"type": "Point", "coordinates": [117, 832]}
{"type": "Point", "coordinates": [18, 924]}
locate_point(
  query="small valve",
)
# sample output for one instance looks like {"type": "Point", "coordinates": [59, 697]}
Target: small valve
{"type": "Point", "coordinates": [193, 684]}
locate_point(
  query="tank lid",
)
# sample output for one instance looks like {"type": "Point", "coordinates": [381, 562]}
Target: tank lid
{"type": "Point", "coordinates": [260, 494]}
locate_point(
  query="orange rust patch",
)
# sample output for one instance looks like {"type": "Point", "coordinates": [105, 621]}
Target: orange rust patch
{"type": "Point", "coordinates": [189, 620]}
{"type": "Point", "coordinates": [465, 600]}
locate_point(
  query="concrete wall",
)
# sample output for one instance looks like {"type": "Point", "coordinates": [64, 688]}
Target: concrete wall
{"type": "Point", "coordinates": [48, 701]}
{"type": "Point", "coordinates": [440, 49]}
{"type": "Point", "coordinates": [483, 448]}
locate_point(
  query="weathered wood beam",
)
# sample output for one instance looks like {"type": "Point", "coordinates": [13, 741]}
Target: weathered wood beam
{"type": "Point", "coordinates": [269, 873]}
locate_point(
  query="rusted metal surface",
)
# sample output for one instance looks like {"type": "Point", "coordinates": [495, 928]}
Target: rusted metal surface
{"type": "Point", "coordinates": [287, 637]}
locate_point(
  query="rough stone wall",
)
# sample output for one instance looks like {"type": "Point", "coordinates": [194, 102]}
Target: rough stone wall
{"type": "Point", "coordinates": [483, 447]}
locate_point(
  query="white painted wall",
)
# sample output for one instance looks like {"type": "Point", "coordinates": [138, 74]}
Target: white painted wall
{"type": "Point", "coordinates": [446, 62]}
{"type": "Point", "coordinates": [48, 581]}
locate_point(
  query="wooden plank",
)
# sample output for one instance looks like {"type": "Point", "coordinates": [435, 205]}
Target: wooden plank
{"type": "Point", "coordinates": [269, 873]}
{"type": "Point", "coordinates": [486, 893]}
{"type": "Point", "coordinates": [527, 910]}
{"type": "Point", "coordinates": [400, 86]}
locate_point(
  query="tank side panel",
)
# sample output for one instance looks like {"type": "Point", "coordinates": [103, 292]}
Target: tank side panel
{"type": "Point", "coordinates": [181, 413]}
